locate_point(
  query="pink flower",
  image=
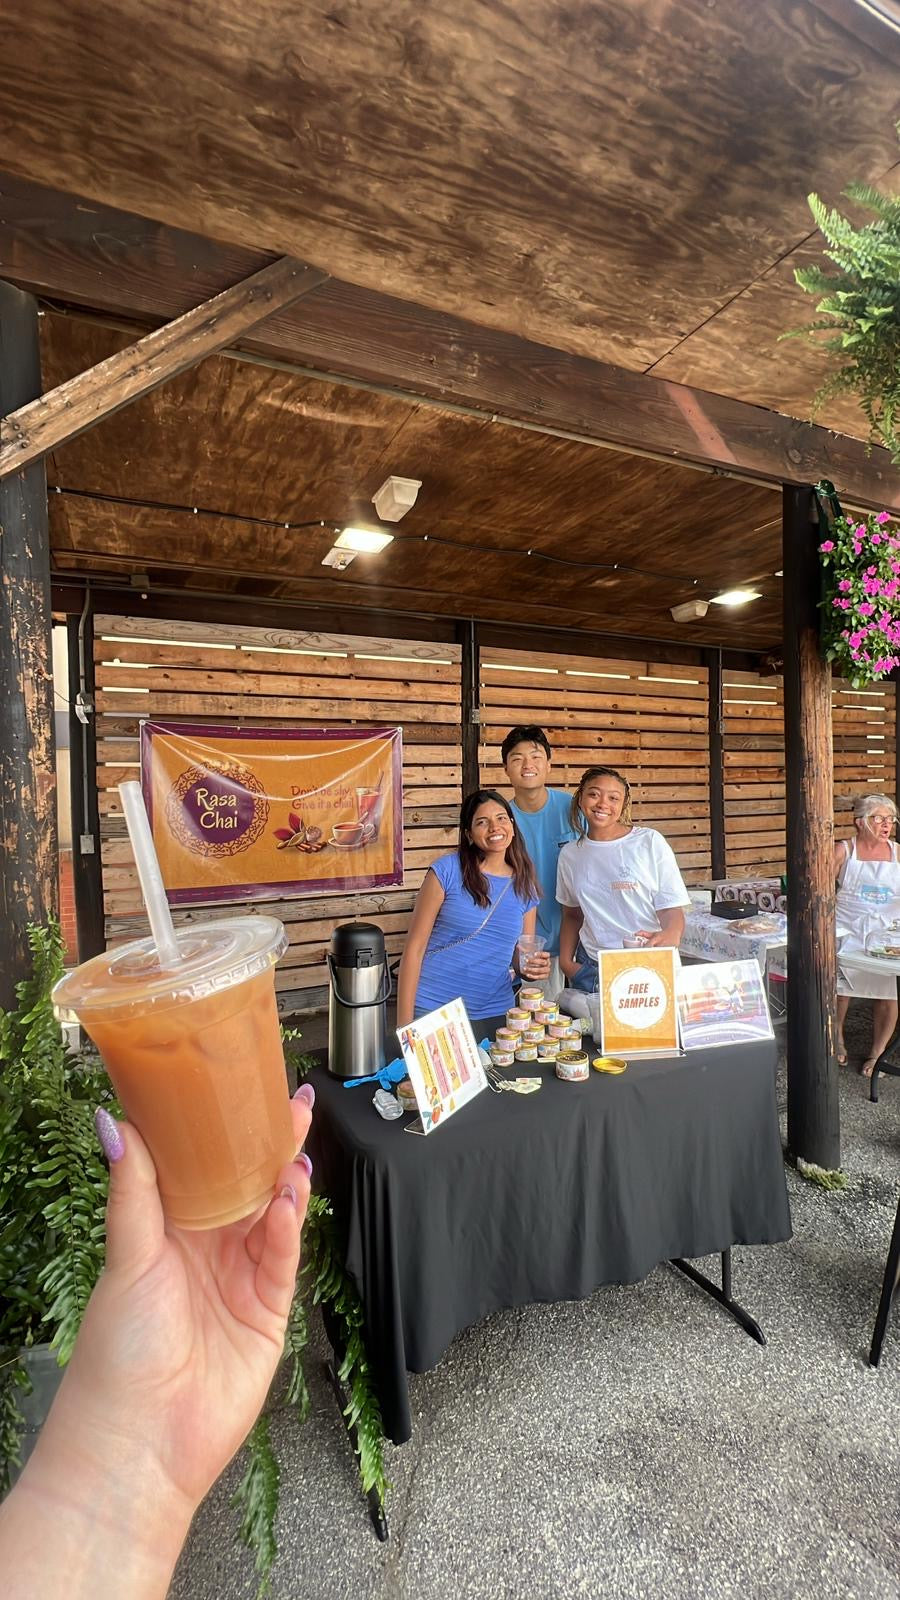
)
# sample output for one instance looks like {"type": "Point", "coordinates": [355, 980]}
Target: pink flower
{"type": "Point", "coordinates": [865, 608]}
{"type": "Point", "coordinates": [826, 545]}
{"type": "Point", "coordinates": [844, 585]}
{"type": "Point", "coordinates": [870, 570]}
{"type": "Point", "coordinates": [883, 517]}
{"type": "Point", "coordinates": [860, 530]}
{"type": "Point", "coordinates": [876, 538]}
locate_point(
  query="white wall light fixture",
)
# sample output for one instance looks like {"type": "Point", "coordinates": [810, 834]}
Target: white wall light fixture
{"type": "Point", "coordinates": [395, 497]}
{"type": "Point", "coordinates": [689, 611]}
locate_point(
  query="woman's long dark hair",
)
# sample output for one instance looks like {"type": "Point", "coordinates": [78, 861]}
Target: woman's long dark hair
{"type": "Point", "coordinates": [576, 816]}
{"type": "Point", "coordinates": [524, 881]}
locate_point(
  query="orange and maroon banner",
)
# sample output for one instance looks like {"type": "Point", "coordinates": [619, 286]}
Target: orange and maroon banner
{"type": "Point", "coordinates": [252, 813]}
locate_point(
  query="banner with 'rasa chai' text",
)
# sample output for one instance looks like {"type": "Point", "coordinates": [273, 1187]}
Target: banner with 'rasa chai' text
{"type": "Point", "coordinates": [254, 813]}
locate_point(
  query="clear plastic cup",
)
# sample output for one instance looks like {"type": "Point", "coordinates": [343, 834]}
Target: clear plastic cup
{"type": "Point", "coordinates": [634, 941]}
{"type": "Point", "coordinates": [194, 1052]}
{"type": "Point", "coordinates": [530, 944]}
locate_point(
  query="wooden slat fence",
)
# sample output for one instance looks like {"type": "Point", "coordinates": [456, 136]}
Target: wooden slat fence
{"type": "Point", "coordinates": [650, 721]}
{"type": "Point", "coordinates": [864, 761]}
{"type": "Point", "coordinates": [223, 673]}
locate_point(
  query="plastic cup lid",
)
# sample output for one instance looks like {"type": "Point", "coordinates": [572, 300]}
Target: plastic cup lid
{"type": "Point", "coordinates": [216, 956]}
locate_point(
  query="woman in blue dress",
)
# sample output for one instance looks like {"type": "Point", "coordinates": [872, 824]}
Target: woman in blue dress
{"type": "Point", "coordinates": [473, 906]}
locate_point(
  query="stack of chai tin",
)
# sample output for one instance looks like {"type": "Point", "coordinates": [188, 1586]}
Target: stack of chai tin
{"type": "Point", "coordinates": [534, 1031]}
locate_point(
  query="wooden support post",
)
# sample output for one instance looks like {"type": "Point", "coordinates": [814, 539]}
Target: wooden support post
{"type": "Point", "coordinates": [813, 1109]}
{"type": "Point", "coordinates": [33, 430]}
{"type": "Point", "coordinates": [713, 661]}
{"type": "Point", "coordinates": [470, 732]}
{"type": "Point", "coordinates": [86, 866]}
{"type": "Point", "coordinates": [29, 855]}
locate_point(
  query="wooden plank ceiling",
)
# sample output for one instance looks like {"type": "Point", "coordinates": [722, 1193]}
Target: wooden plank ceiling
{"type": "Point", "coordinates": [605, 179]}
{"type": "Point", "coordinates": [239, 439]}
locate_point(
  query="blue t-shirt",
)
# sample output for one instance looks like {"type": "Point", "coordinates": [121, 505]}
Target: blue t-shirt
{"type": "Point", "coordinates": [545, 832]}
{"type": "Point", "coordinates": [478, 970]}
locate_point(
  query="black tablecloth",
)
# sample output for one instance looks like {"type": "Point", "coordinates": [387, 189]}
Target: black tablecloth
{"type": "Point", "coordinates": [543, 1197]}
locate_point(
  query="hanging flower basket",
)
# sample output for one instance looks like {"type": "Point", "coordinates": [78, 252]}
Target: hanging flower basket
{"type": "Point", "coordinates": [861, 601]}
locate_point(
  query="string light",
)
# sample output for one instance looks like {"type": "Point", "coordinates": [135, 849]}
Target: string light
{"type": "Point", "coordinates": [320, 522]}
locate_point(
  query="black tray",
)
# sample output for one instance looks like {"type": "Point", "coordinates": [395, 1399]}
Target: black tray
{"type": "Point", "coordinates": [732, 910]}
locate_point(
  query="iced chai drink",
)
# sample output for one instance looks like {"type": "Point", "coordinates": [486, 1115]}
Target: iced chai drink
{"type": "Point", "coordinates": [194, 1052]}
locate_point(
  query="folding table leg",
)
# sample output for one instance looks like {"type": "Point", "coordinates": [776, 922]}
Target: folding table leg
{"type": "Point", "coordinates": [377, 1513]}
{"type": "Point", "coordinates": [888, 1290]}
{"type": "Point", "coordinates": [722, 1294]}
{"type": "Point", "coordinates": [891, 1068]}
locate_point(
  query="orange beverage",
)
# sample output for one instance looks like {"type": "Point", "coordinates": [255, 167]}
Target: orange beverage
{"type": "Point", "coordinates": [195, 1056]}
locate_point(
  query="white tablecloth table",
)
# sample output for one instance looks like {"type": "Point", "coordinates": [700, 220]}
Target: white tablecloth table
{"type": "Point", "coordinates": [882, 964]}
{"type": "Point", "coordinates": [757, 938]}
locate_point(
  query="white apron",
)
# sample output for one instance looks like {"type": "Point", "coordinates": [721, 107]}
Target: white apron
{"type": "Point", "coordinates": [868, 898]}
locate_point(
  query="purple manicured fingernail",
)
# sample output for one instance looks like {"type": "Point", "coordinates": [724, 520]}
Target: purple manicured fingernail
{"type": "Point", "coordinates": [306, 1092]}
{"type": "Point", "coordinates": [289, 1193]}
{"type": "Point", "coordinates": [109, 1134]}
{"type": "Point", "coordinates": [304, 1161]}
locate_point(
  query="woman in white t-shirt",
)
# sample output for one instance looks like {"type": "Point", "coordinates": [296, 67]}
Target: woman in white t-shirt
{"type": "Point", "coordinates": [613, 882]}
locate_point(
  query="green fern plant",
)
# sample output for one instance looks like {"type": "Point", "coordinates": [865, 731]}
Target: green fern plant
{"type": "Point", "coordinates": [53, 1183]}
{"type": "Point", "coordinates": [859, 309]}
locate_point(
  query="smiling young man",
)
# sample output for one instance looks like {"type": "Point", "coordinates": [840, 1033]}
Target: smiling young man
{"type": "Point", "coordinates": [542, 815]}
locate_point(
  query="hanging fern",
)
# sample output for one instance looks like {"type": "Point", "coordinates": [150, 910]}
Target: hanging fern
{"type": "Point", "coordinates": [332, 1286]}
{"type": "Point", "coordinates": [323, 1280]}
{"type": "Point", "coordinates": [859, 308]}
{"type": "Point", "coordinates": [257, 1499]}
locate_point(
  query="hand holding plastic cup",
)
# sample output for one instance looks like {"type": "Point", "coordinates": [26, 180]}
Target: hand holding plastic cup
{"type": "Point", "coordinates": [634, 941]}
{"type": "Point", "coordinates": [533, 961]}
{"type": "Point", "coordinates": [187, 1025]}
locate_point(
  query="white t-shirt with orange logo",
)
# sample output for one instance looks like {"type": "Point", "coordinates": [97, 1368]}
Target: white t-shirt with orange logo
{"type": "Point", "coordinates": [620, 884]}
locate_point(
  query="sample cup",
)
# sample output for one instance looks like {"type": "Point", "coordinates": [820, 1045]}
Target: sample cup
{"type": "Point", "coordinates": [193, 1048]}
{"type": "Point", "coordinates": [595, 1011]}
{"type": "Point", "coordinates": [634, 941]}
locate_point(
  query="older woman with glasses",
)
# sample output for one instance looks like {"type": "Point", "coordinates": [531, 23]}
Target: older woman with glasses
{"type": "Point", "coordinates": [867, 871]}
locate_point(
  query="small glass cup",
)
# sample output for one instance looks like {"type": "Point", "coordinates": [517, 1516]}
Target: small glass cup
{"type": "Point", "coordinates": [634, 941]}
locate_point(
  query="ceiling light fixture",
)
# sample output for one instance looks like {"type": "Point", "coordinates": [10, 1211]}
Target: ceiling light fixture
{"type": "Point", "coordinates": [363, 541]}
{"type": "Point", "coordinates": [736, 597]}
{"type": "Point", "coordinates": [340, 559]}
{"type": "Point", "coordinates": [395, 497]}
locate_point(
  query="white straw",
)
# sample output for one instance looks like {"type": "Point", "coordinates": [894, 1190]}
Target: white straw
{"type": "Point", "coordinates": [152, 887]}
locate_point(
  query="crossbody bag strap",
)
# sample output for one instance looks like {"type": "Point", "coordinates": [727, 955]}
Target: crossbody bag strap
{"type": "Point", "coordinates": [454, 943]}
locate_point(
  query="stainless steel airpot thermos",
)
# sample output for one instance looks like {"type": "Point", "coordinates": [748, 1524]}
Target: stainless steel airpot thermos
{"type": "Point", "coordinates": [360, 984]}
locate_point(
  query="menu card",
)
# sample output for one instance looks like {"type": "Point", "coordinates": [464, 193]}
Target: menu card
{"type": "Point", "coordinates": [443, 1062]}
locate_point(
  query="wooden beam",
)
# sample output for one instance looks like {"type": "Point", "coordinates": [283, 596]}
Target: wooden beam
{"type": "Point", "coordinates": [54, 244]}
{"type": "Point", "coordinates": [35, 429]}
{"type": "Point", "coordinates": [814, 1129]}
{"type": "Point", "coordinates": [29, 857]}
{"type": "Point", "coordinates": [191, 606]}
